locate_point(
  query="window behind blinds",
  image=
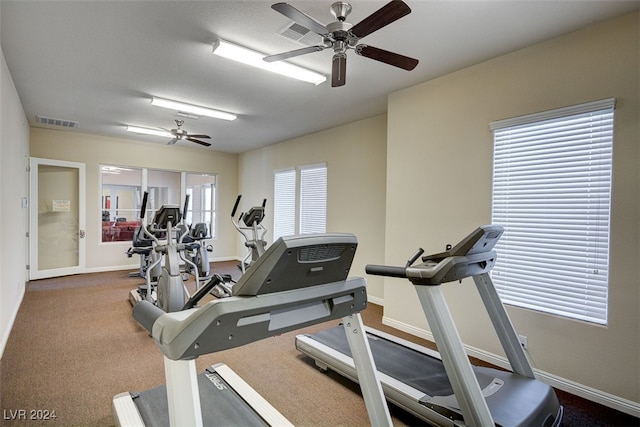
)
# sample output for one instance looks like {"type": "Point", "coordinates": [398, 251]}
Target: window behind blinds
{"type": "Point", "coordinates": [300, 200]}
{"type": "Point", "coordinates": [284, 203]}
{"type": "Point", "coordinates": [313, 199]}
{"type": "Point", "coordinates": [551, 192]}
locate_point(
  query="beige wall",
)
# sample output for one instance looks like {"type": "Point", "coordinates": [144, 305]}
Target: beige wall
{"type": "Point", "coordinates": [95, 150]}
{"type": "Point", "coordinates": [427, 184]}
{"type": "Point", "coordinates": [439, 162]}
{"type": "Point", "coordinates": [355, 157]}
{"type": "Point", "coordinates": [14, 154]}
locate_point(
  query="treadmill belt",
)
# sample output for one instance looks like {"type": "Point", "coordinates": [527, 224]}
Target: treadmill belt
{"type": "Point", "coordinates": [221, 405]}
{"type": "Point", "coordinates": [413, 368]}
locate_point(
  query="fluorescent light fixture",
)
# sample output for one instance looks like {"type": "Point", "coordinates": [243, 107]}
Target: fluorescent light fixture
{"type": "Point", "coordinates": [192, 109]}
{"type": "Point", "coordinates": [148, 131]}
{"type": "Point", "coordinates": [247, 56]}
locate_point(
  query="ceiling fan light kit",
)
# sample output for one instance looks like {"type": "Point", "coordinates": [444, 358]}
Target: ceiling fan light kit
{"type": "Point", "coordinates": [250, 57]}
{"type": "Point", "coordinates": [342, 36]}
{"type": "Point", "coordinates": [192, 109]}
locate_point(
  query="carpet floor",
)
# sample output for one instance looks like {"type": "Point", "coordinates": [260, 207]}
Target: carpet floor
{"type": "Point", "coordinates": [75, 345]}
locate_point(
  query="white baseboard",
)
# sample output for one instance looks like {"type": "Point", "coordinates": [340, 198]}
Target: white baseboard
{"type": "Point", "coordinates": [375, 300]}
{"type": "Point", "coordinates": [111, 268]}
{"type": "Point", "coordinates": [615, 402]}
{"type": "Point", "coordinates": [227, 258]}
{"type": "Point", "coordinates": [137, 266]}
{"type": "Point", "coordinates": [12, 320]}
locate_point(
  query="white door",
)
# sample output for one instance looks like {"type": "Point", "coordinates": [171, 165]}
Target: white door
{"type": "Point", "coordinates": [56, 218]}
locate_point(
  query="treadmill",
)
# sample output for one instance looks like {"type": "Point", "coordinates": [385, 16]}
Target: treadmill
{"type": "Point", "coordinates": [444, 388]}
{"type": "Point", "coordinates": [299, 281]}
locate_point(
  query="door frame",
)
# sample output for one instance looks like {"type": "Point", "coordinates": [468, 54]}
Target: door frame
{"type": "Point", "coordinates": [34, 272]}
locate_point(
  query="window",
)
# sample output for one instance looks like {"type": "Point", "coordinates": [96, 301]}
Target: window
{"type": "Point", "coordinates": [121, 199]}
{"type": "Point", "coordinates": [304, 211]}
{"type": "Point", "coordinates": [123, 187]}
{"type": "Point", "coordinates": [551, 192]}
{"type": "Point", "coordinates": [284, 203]}
{"type": "Point", "coordinates": [163, 188]}
{"type": "Point", "coordinates": [313, 199]}
{"type": "Point", "coordinates": [201, 189]}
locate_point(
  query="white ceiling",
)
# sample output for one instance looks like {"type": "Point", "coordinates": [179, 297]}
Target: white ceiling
{"type": "Point", "coordinates": [99, 62]}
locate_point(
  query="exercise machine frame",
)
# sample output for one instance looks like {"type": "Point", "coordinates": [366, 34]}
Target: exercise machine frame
{"type": "Point", "coordinates": [299, 281]}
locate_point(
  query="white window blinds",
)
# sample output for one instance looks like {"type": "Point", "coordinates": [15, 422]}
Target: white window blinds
{"type": "Point", "coordinates": [551, 192]}
{"type": "Point", "coordinates": [304, 210]}
{"type": "Point", "coordinates": [313, 199]}
{"type": "Point", "coordinates": [284, 203]}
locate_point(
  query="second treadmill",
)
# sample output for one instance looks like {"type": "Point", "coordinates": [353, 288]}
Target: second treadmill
{"type": "Point", "coordinates": [438, 388]}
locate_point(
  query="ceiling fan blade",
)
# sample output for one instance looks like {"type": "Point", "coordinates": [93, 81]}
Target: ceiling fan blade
{"type": "Point", "coordinates": [206, 144]}
{"type": "Point", "coordinates": [384, 16]}
{"type": "Point", "coordinates": [339, 70]}
{"type": "Point", "coordinates": [292, 53]}
{"type": "Point", "coordinates": [198, 136]}
{"type": "Point", "coordinates": [387, 57]}
{"type": "Point", "coordinates": [299, 17]}
{"type": "Point", "coordinates": [173, 141]}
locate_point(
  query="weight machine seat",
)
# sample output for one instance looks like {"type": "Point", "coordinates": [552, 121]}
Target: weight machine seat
{"type": "Point", "coordinates": [140, 240]}
{"type": "Point", "coordinates": [199, 231]}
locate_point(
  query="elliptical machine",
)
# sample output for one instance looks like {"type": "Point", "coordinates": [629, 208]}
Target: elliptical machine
{"type": "Point", "coordinates": [256, 245]}
{"type": "Point", "coordinates": [169, 292]}
{"type": "Point", "coordinates": [252, 220]}
{"type": "Point", "coordinates": [143, 246]}
{"type": "Point", "coordinates": [198, 252]}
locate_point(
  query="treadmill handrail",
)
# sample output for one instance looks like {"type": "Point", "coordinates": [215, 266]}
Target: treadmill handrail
{"type": "Point", "coordinates": [472, 256]}
{"type": "Point", "coordinates": [432, 273]}
{"type": "Point", "coordinates": [235, 321]}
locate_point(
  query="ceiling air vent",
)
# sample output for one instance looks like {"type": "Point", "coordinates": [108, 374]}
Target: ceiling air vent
{"type": "Point", "coordinates": [48, 121]}
{"type": "Point", "coordinates": [300, 34]}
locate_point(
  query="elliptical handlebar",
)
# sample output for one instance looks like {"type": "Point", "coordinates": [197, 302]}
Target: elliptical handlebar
{"type": "Point", "coordinates": [235, 206]}
{"type": "Point", "coordinates": [186, 207]}
{"type": "Point", "coordinates": [143, 208]}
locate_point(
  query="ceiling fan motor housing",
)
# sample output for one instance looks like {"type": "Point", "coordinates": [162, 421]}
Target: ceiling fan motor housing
{"type": "Point", "coordinates": [342, 35]}
{"type": "Point", "coordinates": [341, 10]}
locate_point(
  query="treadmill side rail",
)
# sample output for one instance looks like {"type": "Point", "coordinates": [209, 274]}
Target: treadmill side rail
{"type": "Point", "coordinates": [504, 328]}
{"type": "Point", "coordinates": [255, 400]}
{"type": "Point", "coordinates": [465, 385]}
{"type": "Point", "coordinates": [125, 412]}
{"type": "Point", "coordinates": [183, 395]}
{"type": "Point", "coordinates": [366, 370]}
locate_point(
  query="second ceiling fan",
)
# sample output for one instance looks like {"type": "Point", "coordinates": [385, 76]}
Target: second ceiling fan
{"type": "Point", "coordinates": [341, 36]}
{"type": "Point", "coordinates": [180, 134]}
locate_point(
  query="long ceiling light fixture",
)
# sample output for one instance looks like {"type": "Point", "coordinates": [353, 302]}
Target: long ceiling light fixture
{"type": "Point", "coordinates": [255, 59]}
{"type": "Point", "coordinates": [148, 131]}
{"type": "Point", "coordinates": [192, 109]}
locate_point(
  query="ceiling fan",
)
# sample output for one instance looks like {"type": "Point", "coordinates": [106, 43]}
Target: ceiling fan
{"type": "Point", "coordinates": [180, 134]}
{"type": "Point", "coordinates": [341, 36]}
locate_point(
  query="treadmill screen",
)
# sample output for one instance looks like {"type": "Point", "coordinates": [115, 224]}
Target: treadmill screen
{"type": "Point", "coordinates": [294, 262]}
